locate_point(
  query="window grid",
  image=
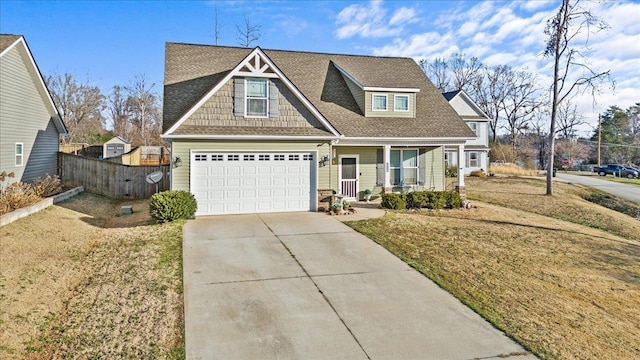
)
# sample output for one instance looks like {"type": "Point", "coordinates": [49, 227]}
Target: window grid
{"type": "Point", "coordinates": [264, 157]}
{"type": "Point", "coordinates": [19, 154]}
{"type": "Point", "coordinates": [200, 157]}
{"type": "Point", "coordinates": [249, 157]}
{"type": "Point", "coordinates": [233, 157]}
{"type": "Point", "coordinates": [405, 167]}
{"type": "Point", "coordinates": [294, 157]}
{"type": "Point", "coordinates": [379, 102]}
{"type": "Point", "coordinates": [278, 157]}
{"type": "Point", "coordinates": [401, 103]}
{"type": "Point", "coordinates": [217, 157]}
{"type": "Point", "coordinates": [307, 157]}
{"type": "Point", "coordinates": [256, 98]}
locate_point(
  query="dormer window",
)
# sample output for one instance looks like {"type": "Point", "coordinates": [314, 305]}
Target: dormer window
{"type": "Point", "coordinates": [257, 97]}
{"type": "Point", "coordinates": [379, 102]}
{"type": "Point", "coordinates": [401, 103]}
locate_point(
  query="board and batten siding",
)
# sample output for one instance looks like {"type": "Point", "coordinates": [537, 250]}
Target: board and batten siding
{"type": "Point", "coordinates": [368, 112]}
{"type": "Point", "coordinates": [183, 149]}
{"type": "Point", "coordinates": [219, 111]}
{"type": "Point", "coordinates": [434, 169]}
{"type": "Point", "coordinates": [24, 118]}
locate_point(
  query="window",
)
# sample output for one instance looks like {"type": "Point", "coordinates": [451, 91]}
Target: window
{"type": "Point", "coordinates": [472, 159]}
{"type": "Point", "coordinates": [307, 157]}
{"type": "Point", "coordinates": [278, 157]}
{"type": "Point", "coordinates": [257, 97]}
{"type": "Point", "coordinates": [294, 157]}
{"type": "Point", "coordinates": [401, 103]}
{"type": "Point", "coordinates": [263, 157]}
{"type": "Point", "coordinates": [19, 154]}
{"type": "Point", "coordinates": [473, 126]}
{"type": "Point", "coordinates": [249, 157]}
{"type": "Point", "coordinates": [233, 157]}
{"type": "Point", "coordinates": [200, 157]}
{"type": "Point", "coordinates": [216, 157]}
{"type": "Point", "coordinates": [379, 102]}
{"type": "Point", "coordinates": [404, 167]}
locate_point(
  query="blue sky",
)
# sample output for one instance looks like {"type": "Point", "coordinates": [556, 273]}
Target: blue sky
{"type": "Point", "coordinates": [110, 42]}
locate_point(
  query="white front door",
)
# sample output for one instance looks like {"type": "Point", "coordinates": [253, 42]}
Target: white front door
{"type": "Point", "coordinates": [349, 173]}
{"type": "Point", "coordinates": [253, 182]}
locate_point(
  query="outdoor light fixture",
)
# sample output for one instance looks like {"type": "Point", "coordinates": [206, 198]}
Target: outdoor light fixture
{"type": "Point", "coordinates": [177, 162]}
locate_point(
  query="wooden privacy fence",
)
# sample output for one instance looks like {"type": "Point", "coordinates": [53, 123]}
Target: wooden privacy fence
{"type": "Point", "coordinates": [110, 179]}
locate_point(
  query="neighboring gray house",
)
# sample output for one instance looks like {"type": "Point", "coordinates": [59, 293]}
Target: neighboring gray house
{"type": "Point", "coordinates": [116, 146]}
{"type": "Point", "coordinates": [271, 130]}
{"type": "Point", "coordinates": [30, 126]}
{"type": "Point", "coordinates": [476, 151]}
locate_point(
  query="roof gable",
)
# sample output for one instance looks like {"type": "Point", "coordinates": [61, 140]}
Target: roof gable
{"type": "Point", "coordinates": [117, 140]}
{"type": "Point", "coordinates": [10, 42]}
{"type": "Point", "coordinates": [464, 105]}
{"type": "Point", "coordinates": [256, 64]}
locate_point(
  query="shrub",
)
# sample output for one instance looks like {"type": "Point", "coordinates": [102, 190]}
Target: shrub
{"type": "Point", "coordinates": [17, 195]}
{"type": "Point", "coordinates": [417, 199]}
{"type": "Point", "coordinates": [437, 199]}
{"type": "Point", "coordinates": [394, 201]}
{"type": "Point", "coordinates": [47, 186]}
{"type": "Point", "coordinates": [172, 205]}
{"type": "Point", "coordinates": [451, 171]}
{"type": "Point", "coordinates": [453, 199]}
{"type": "Point", "coordinates": [478, 173]}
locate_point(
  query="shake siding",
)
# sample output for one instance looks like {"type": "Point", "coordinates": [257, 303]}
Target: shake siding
{"type": "Point", "coordinates": [356, 92]}
{"type": "Point", "coordinates": [24, 118]}
{"type": "Point", "coordinates": [389, 113]}
{"type": "Point", "coordinates": [218, 111]}
{"type": "Point", "coordinates": [183, 148]}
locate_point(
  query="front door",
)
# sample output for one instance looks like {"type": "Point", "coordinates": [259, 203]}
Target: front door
{"type": "Point", "coordinates": [349, 176]}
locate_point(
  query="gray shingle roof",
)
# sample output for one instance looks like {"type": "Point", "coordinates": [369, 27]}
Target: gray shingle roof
{"type": "Point", "coordinates": [192, 70]}
{"type": "Point", "coordinates": [6, 40]}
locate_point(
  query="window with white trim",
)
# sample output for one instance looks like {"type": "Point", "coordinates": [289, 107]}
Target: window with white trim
{"type": "Point", "coordinates": [379, 102]}
{"type": "Point", "coordinates": [473, 159]}
{"type": "Point", "coordinates": [404, 167]}
{"type": "Point", "coordinates": [256, 98]}
{"type": "Point", "coordinates": [401, 103]}
{"type": "Point", "coordinates": [19, 152]}
{"type": "Point", "coordinates": [473, 126]}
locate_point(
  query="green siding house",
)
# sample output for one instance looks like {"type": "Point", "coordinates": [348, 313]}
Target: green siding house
{"type": "Point", "coordinates": [30, 126]}
{"type": "Point", "coordinates": [256, 130]}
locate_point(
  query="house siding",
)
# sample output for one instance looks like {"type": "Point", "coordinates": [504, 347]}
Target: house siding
{"type": "Point", "coordinates": [357, 93]}
{"type": "Point", "coordinates": [24, 118]}
{"type": "Point", "coordinates": [390, 101]}
{"type": "Point", "coordinates": [183, 148]}
{"type": "Point", "coordinates": [219, 111]}
{"type": "Point", "coordinates": [432, 161]}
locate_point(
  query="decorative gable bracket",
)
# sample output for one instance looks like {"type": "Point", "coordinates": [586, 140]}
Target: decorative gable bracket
{"type": "Point", "coordinates": [255, 65]}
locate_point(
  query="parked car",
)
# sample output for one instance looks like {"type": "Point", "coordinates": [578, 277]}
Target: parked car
{"type": "Point", "coordinates": [616, 170]}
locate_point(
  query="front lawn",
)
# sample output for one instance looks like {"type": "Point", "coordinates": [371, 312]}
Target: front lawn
{"type": "Point", "coordinates": [78, 280]}
{"type": "Point", "coordinates": [551, 280]}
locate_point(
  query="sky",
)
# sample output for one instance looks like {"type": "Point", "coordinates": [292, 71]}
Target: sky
{"type": "Point", "coordinates": [111, 42]}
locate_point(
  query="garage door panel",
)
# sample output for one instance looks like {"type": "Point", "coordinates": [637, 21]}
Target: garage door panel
{"type": "Point", "coordinates": [228, 183]}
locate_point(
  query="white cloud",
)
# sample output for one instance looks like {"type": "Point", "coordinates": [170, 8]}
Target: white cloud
{"type": "Point", "coordinates": [371, 21]}
{"type": "Point", "coordinates": [532, 5]}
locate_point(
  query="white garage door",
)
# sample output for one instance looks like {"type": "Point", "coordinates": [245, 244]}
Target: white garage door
{"type": "Point", "coordinates": [240, 182]}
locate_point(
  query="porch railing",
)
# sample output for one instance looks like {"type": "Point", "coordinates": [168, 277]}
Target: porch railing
{"type": "Point", "coordinates": [349, 188]}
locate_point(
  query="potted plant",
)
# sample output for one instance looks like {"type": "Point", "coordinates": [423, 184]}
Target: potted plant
{"type": "Point", "coordinates": [336, 207]}
{"type": "Point", "coordinates": [367, 195]}
{"type": "Point", "coordinates": [345, 205]}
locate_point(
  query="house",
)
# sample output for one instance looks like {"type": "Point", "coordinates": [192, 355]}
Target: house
{"type": "Point", "coordinates": [270, 130]}
{"type": "Point", "coordinates": [145, 155]}
{"type": "Point", "coordinates": [476, 151]}
{"type": "Point", "coordinates": [116, 146]}
{"type": "Point", "coordinates": [30, 125]}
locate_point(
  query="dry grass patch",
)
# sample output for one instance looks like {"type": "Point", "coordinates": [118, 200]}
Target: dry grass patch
{"type": "Point", "coordinates": [512, 169]}
{"type": "Point", "coordinates": [80, 281]}
{"type": "Point", "coordinates": [567, 204]}
{"type": "Point", "coordinates": [563, 290]}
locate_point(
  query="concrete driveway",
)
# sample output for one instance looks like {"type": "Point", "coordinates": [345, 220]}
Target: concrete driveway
{"type": "Point", "coordinates": [625, 191]}
{"type": "Point", "coordinates": [306, 286]}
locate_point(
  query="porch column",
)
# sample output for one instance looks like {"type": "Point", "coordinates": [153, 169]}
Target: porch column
{"type": "Point", "coordinates": [386, 158]}
{"type": "Point", "coordinates": [461, 163]}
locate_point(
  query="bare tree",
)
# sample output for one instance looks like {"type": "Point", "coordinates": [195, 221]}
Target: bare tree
{"type": "Point", "coordinates": [467, 73]}
{"type": "Point", "coordinates": [568, 118]}
{"type": "Point", "coordinates": [79, 104]}
{"type": "Point", "coordinates": [437, 72]}
{"type": "Point", "coordinates": [562, 30]}
{"type": "Point", "coordinates": [519, 102]}
{"type": "Point", "coordinates": [490, 93]}
{"type": "Point", "coordinates": [119, 112]}
{"type": "Point", "coordinates": [248, 33]}
{"type": "Point", "coordinates": [144, 111]}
